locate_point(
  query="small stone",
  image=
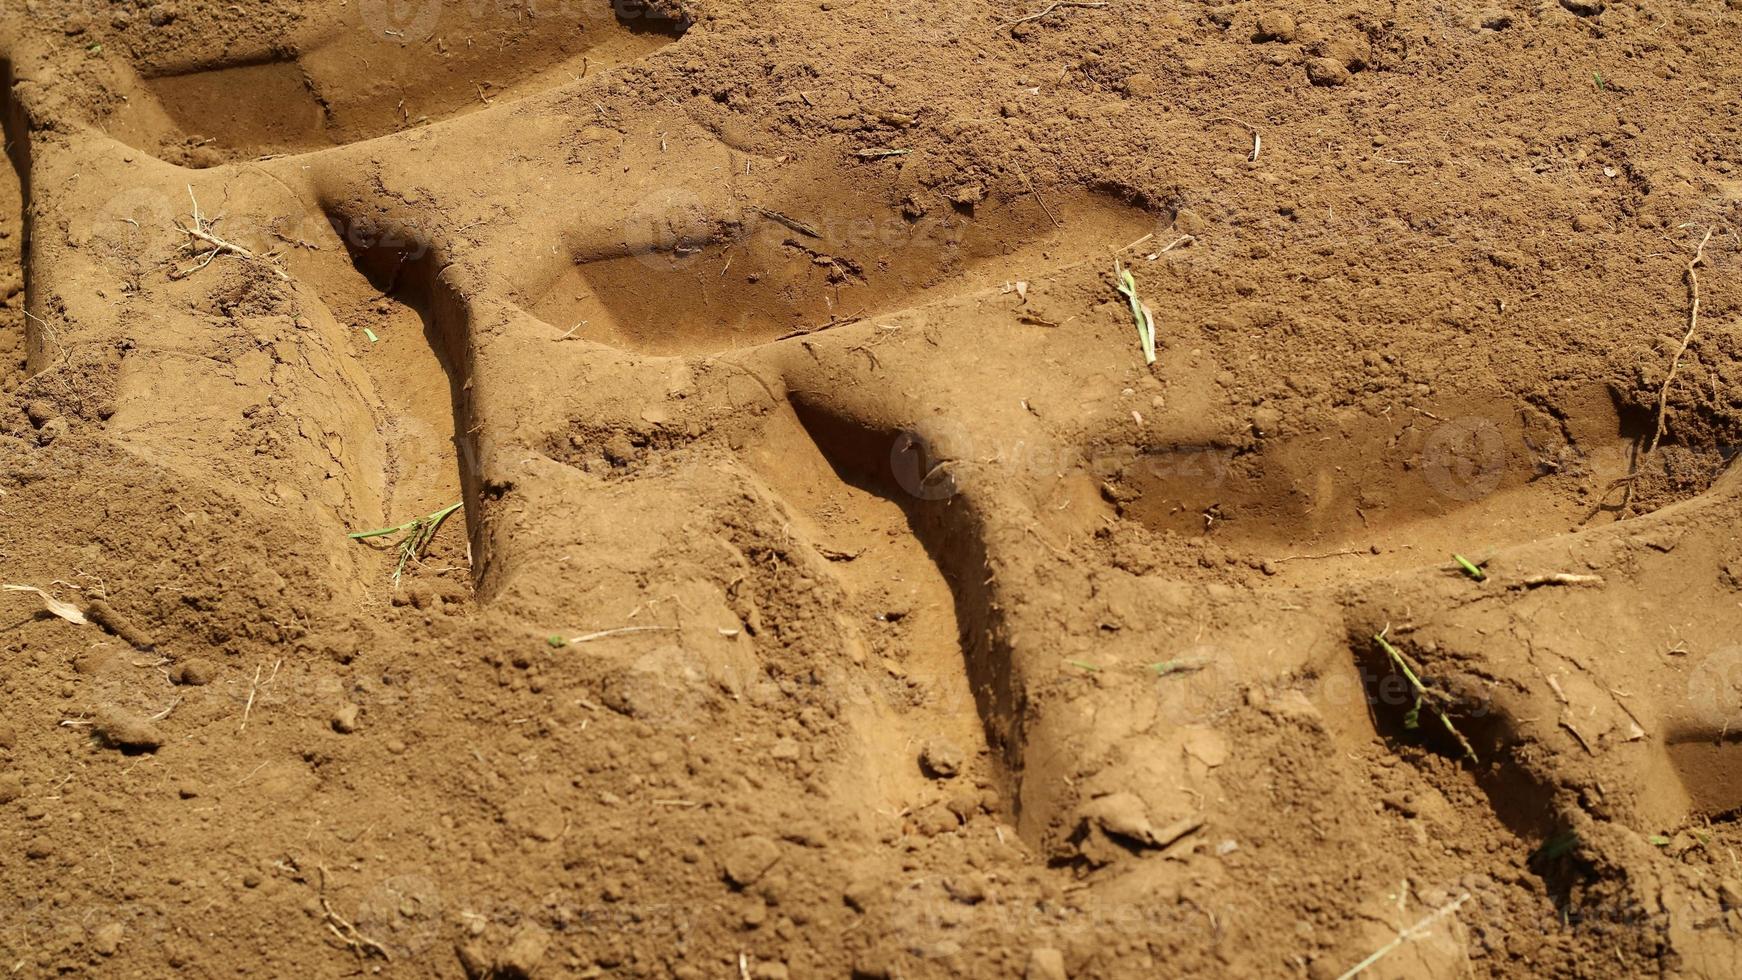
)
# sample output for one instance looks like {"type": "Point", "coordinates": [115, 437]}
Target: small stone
{"type": "Point", "coordinates": [107, 939]}
{"type": "Point", "coordinates": [1274, 25]}
{"type": "Point", "coordinates": [1585, 8]}
{"type": "Point", "coordinates": [126, 731]}
{"type": "Point", "coordinates": [345, 718]}
{"type": "Point", "coordinates": [1327, 72]}
{"type": "Point", "coordinates": [1045, 963]}
{"type": "Point", "coordinates": [747, 859]}
{"type": "Point", "coordinates": [161, 14]}
{"type": "Point", "coordinates": [942, 758]}
{"type": "Point", "coordinates": [187, 791]}
{"type": "Point", "coordinates": [194, 672]}
{"type": "Point", "coordinates": [39, 848]}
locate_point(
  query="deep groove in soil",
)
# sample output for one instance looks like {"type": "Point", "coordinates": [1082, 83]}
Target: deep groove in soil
{"type": "Point", "coordinates": [891, 467]}
{"type": "Point", "coordinates": [14, 236]}
{"type": "Point", "coordinates": [420, 360]}
{"type": "Point", "coordinates": [688, 283]}
{"type": "Point", "coordinates": [358, 86]}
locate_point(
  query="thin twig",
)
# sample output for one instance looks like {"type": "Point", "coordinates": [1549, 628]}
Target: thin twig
{"type": "Point", "coordinates": [1693, 280]}
{"type": "Point", "coordinates": [790, 222]}
{"type": "Point", "coordinates": [1049, 8]}
{"type": "Point", "coordinates": [1407, 935]}
{"type": "Point", "coordinates": [348, 933]}
{"type": "Point", "coordinates": [200, 231]}
{"type": "Point", "coordinates": [248, 709]}
{"type": "Point", "coordinates": [1041, 200]}
{"type": "Point", "coordinates": [621, 631]}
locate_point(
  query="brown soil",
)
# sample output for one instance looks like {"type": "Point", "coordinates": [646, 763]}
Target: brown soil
{"type": "Point", "coordinates": [836, 590]}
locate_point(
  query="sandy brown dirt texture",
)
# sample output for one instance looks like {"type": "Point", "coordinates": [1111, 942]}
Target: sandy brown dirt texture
{"type": "Point", "coordinates": [546, 488]}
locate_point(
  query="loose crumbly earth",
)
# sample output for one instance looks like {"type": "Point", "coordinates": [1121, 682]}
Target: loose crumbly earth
{"type": "Point", "coordinates": [837, 591]}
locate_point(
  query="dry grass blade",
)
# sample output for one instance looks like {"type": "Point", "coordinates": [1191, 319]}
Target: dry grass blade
{"type": "Point", "coordinates": [64, 610]}
{"type": "Point", "coordinates": [1140, 312]}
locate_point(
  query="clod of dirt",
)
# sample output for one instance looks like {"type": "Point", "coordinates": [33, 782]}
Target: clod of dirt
{"type": "Point", "coordinates": [474, 959]}
{"type": "Point", "coordinates": [1141, 84]}
{"type": "Point", "coordinates": [966, 195]}
{"type": "Point", "coordinates": [39, 412]}
{"type": "Point", "coordinates": [344, 719]}
{"type": "Point", "coordinates": [106, 616]}
{"type": "Point", "coordinates": [1352, 52]}
{"type": "Point", "coordinates": [969, 889]}
{"type": "Point", "coordinates": [39, 848]}
{"type": "Point", "coordinates": [862, 893]}
{"type": "Point", "coordinates": [11, 787]}
{"type": "Point", "coordinates": [942, 758]}
{"type": "Point", "coordinates": [747, 859]}
{"type": "Point", "coordinates": [1327, 71]}
{"type": "Point", "coordinates": [519, 961]}
{"type": "Point", "coordinates": [1274, 25]}
{"type": "Point", "coordinates": [51, 430]}
{"type": "Point", "coordinates": [194, 672]}
{"type": "Point", "coordinates": [1045, 963]}
{"type": "Point", "coordinates": [126, 731]}
{"type": "Point", "coordinates": [1123, 815]}
{"type": "Point", "coordinates": [107, 939]}
{"type": "Point", "coordinates": [1585, 8]}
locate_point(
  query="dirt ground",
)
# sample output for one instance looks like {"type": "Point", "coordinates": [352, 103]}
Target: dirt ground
{"type": "Point", "coordinates": [835, 588]}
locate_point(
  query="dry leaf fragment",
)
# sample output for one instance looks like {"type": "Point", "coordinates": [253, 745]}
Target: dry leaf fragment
{"type": "Point", "coordinates": [64, 610]}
